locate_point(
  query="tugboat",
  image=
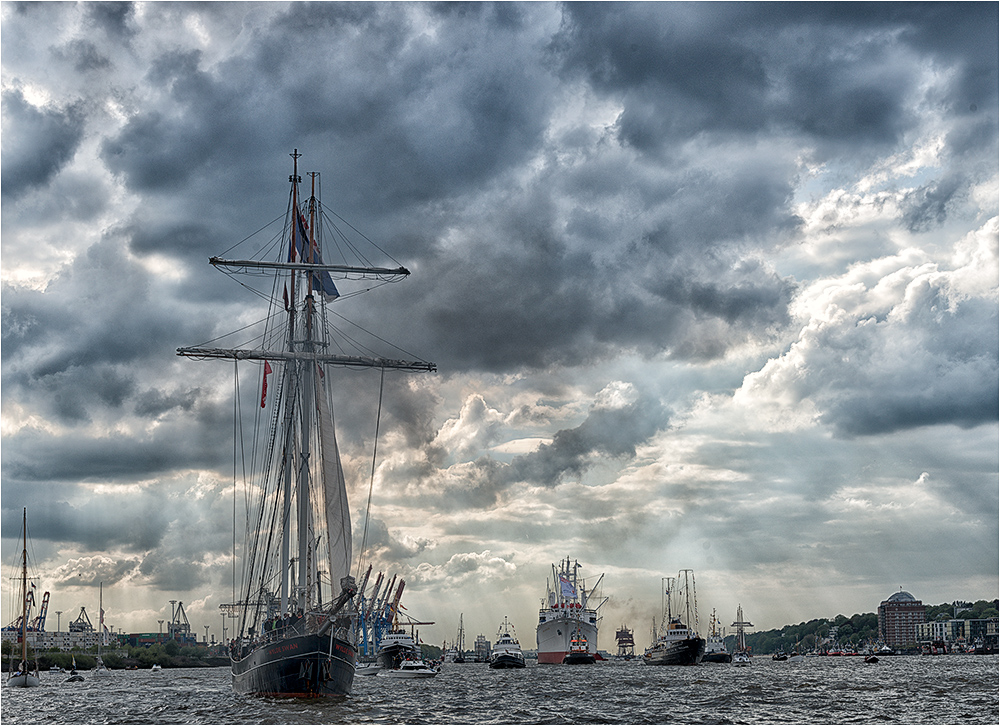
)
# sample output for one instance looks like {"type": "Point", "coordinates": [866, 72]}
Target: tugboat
{"type": "Point", "coordinates": [676, 643]}
{"type": "Point", "coordinates": [715, 645]}
{"type": "Point", "coordinates": [579, 653]}
{"type": "Point", "coordinates": [297, 623]}
{"type": "Point", "coordinates": [506, 651]}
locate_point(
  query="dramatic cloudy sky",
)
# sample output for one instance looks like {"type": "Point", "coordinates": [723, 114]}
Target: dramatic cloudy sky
{"type": "Point", "coordinates": [709, 286]}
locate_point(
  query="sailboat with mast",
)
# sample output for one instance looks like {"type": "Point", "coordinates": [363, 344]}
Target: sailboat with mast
{"type": "Point", "coordinates": [297, 632]}
{"type": "Point", "coordinates": [24, 676]}
{"type": "Point", "coordinates": [99, 668]}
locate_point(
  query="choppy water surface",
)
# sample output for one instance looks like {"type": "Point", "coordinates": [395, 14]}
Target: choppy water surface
{"type": "Point", "coordinates": [904, 689]}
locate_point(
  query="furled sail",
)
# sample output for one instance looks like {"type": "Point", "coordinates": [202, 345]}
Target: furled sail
{"type": "Point", "coordinates": [338, 515]}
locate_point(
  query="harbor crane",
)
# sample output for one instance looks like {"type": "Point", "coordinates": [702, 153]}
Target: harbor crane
{"type": "Point", "coordinates": [82, 623]}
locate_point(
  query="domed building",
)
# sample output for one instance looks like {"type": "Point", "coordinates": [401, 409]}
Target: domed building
{"type": "Point", "coordinates": [898, 617]}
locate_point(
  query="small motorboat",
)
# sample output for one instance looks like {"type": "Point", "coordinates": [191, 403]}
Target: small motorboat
{"type": "Point", "coordinates": [409, 669]}
{"type": "Point", "coordinates": [507, 651]}
{"type": "Point", "coordinates": [871, 658]}
{"type": "Point", "coordinates": [741, 659]}
{"type": "Point", "coordinates": [156, 668]}
{"type": "Point", "coordinates": [367, 669]}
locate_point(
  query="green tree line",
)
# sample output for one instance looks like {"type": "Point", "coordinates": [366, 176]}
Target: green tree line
{"type": "Point", "coordinates": [167, 655]}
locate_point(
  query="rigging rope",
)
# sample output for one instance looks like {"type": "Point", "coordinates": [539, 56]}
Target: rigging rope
{"type": "Point", "coordinates": [371, 483]}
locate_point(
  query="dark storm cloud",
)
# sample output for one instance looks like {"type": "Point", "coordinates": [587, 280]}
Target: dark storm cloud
{"type": "Point", "coordinates": [825, 70]}
{"type": "Point", "coordinates": [534, 303]}
{"type": "Point", "coordinates": [73, 339]}
{"type": "Point", "coordinates": [116, 19]}
{"type": "Point", "coordinates": [94, 571]}
{"type": "Point", "coordinates": [164, 572]}
{"type": "Point", "coordinates": [608, 432]}
{"type": "Point", "coordinates": [37, 142]}
{"type": "Point", "coordinates": [84, 56]}
{"type": "Point", "coordinates": [133, 523]}
{"type": "Point", "coordinates": [928, 207]}
{"type": "Point", "coordinates": [955, 383]}
{"type": "Point", "coordinates": [32, 455]}
{"type": "Point", "coordinates": [206, 117]}
{"type": "Point", "coordinates": [379, 544]}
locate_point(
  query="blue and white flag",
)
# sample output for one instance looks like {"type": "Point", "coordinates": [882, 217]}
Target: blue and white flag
{"type": "Point", "coordinates": [567, 587]}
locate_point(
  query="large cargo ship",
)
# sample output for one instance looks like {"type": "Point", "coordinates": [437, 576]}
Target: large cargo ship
{"type": "Point", "coordinates": [567, 621]}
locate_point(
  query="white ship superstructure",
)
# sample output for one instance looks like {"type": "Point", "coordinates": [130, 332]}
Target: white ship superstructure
{"type": "Point", "coordinates": [569, 612]}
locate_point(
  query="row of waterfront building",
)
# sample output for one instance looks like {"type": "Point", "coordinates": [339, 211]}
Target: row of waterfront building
{"type": "Point", "coordinates": [903, 624]}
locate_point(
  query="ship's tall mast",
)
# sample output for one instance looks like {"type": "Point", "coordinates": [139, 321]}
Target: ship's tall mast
{"type": "Point", "coordinates": [306, 373]}
{"type": "Point", "coordinates": [24, 593]}
{"type": "Point", "coordinates": [288, 451]}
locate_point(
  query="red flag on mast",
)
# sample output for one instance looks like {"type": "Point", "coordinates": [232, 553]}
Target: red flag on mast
{"type": "Point", "coordinates": [263, 388]}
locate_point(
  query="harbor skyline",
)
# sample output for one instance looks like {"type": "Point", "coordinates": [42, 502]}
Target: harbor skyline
{"type": "Point", "coordinates": [708, 286]}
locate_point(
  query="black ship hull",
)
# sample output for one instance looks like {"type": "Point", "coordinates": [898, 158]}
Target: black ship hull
{"type": "Point", "coordinates": [304, 666]}
{"type": "Point", "coordinates": [689, 651]}
{"type": "Point", "coordinates": [579, 659]}
{"type": "Point", "coordinates": [719, 656]}
{"type": "Point", "coordinates": [506, 661]}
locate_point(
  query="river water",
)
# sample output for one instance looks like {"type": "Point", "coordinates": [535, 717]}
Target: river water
{"type": "Point", "coordinates": [825, 690]}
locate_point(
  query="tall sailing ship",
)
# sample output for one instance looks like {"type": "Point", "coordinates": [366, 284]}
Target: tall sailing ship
{"type": "Point", "coordinates": [25, 676]}
{"type": "Point", "coordinates": [626, 643]}
{"type": "Point", "coordinates": [567, 621]}
{"type": "Point", "coordinates": [297, 622]}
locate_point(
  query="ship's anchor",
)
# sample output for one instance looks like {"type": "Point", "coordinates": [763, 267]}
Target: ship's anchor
{"type": "Point", "coordinates": [305, 672]}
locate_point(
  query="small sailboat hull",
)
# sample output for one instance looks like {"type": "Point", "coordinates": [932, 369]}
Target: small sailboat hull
{"type": "Point", "coordinates": [24, 680]}
{"type": "Point", "coordinates": [305, 666]}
